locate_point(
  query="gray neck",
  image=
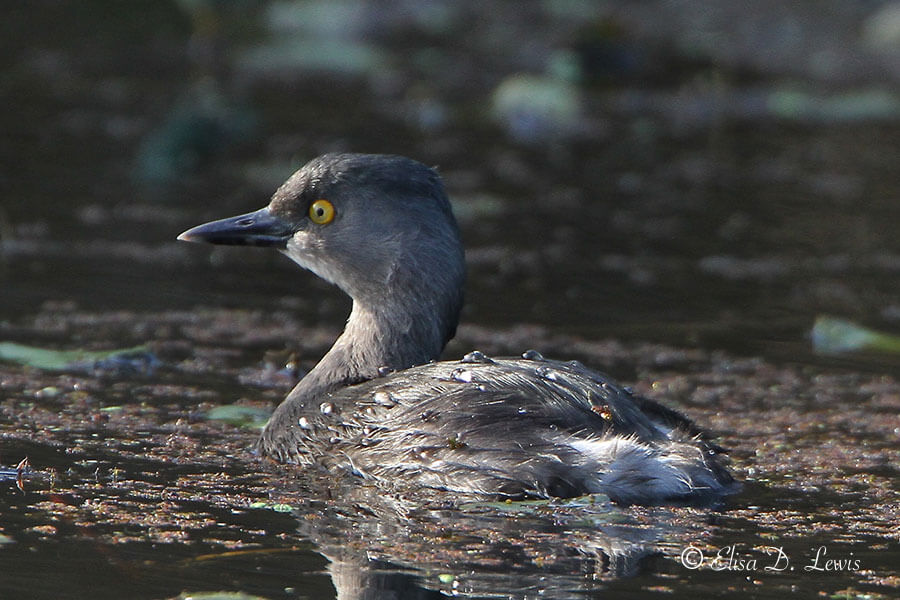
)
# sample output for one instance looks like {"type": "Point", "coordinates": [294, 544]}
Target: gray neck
{"type": "Point", "coordinates": [395, 336]}
{"type": "Point", "coordinates": [373, 340]}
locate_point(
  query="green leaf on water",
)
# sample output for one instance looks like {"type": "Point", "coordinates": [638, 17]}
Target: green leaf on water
{"type": "Point", "coordinates": [277, 507]}
{"type": "Point", "coordinates": [218, 596]}
{"type": "Point", "coordinates": [67, 360]}
{"type": "Point", "coordinates": [831, 335]}
{"type": "Point", "coordinates": [241, 416]}
{"type": "Point", "coordinates": [527, 506]}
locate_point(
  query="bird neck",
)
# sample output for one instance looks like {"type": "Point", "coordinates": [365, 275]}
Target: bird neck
{"type": "Point", "coordinates": [393, 337]}
{"type": "Point", "coordinates": [405, 321]}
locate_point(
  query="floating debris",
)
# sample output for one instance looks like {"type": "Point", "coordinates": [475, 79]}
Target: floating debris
{"type": "Point", "coordinates": [128, 361]}
{"type": "Point", "coordinates": [831, 335]}
{"type": "Point", "coordinates": [217, 596]}
{"type": "Point", "coordinates": [51, 391]}
{"type": "Point", "coordinates": [277, 507]}
{"type": "Point", "coordinates": [16, 474]}
{"type": "Point", "coordinates": [241, 416]}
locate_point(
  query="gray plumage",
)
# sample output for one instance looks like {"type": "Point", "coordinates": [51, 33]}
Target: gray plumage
{"type": "Point", "coordinates": [375, 404]}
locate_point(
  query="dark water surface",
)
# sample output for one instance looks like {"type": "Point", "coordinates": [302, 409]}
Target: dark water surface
{"type": "Point", "coordinates": [677, 216]}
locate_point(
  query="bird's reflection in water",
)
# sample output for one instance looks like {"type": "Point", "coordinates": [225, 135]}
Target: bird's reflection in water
{"type": "Point", "coordinates": [386, 547]}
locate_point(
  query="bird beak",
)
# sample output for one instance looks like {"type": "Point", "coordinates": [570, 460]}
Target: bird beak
{"type": "Point", "coordinates": [260, 228]}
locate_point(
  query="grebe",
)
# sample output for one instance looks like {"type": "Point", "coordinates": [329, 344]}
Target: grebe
{"type": "Point", "coordinates": [381, 228]}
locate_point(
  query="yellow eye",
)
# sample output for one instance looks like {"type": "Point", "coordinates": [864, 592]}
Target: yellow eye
{"type": "Point", "coordinates": [321, 212]}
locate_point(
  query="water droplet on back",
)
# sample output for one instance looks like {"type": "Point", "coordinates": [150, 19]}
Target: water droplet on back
{"type": "Point", "coordinates": [463, 375]}
{"type": "Point", "coordinates": [547, 373]}
{"type": "Point", "coordinates": [383, 398]}
{"type": "Point", "coordinates": [476, 356]}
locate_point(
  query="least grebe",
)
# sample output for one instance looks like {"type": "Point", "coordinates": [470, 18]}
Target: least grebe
{"type": "Point", "coordinates": [381, 228]}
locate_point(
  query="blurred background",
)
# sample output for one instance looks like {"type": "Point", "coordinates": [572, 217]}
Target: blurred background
{"type": "Point", "coordinates": [698, 173]}
{"type": "Point", "coordinates": [701, 198]}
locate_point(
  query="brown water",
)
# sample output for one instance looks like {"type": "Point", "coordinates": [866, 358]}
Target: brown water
{"type": "Point", "coordinates": [680, 232]}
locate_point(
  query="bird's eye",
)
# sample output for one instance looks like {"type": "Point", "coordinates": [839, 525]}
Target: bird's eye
{"type": "Point", "coordinates": [321, 212]}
